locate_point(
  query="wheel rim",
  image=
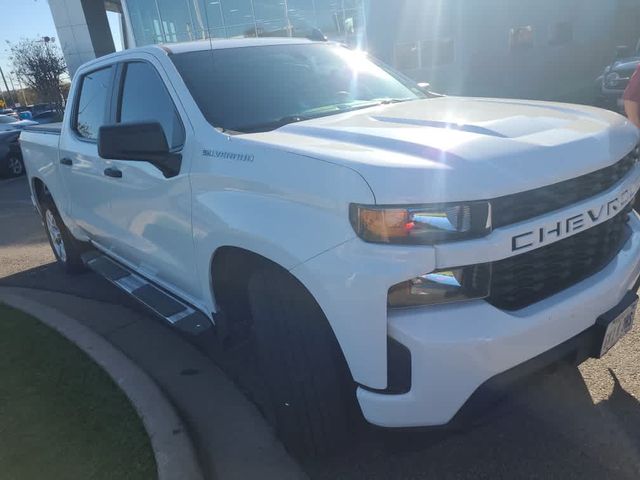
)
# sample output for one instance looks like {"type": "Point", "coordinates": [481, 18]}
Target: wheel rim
{"type": "Point", "coordinates": [15, 166]}
{"type": "Point", "coordinates": [56, 236]}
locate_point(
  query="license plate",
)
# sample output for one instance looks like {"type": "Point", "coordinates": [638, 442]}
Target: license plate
{"type": "Point", "coordinates": [617, 323]}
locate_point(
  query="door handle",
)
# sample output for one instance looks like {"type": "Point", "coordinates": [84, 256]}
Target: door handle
{"type": "Point", "coordinates": [113, 172]}
{"type": "Point", "coordinates": [66, 161]}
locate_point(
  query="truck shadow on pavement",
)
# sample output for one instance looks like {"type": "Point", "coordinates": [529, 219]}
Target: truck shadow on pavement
{"type": "Point", "coordinates": [548, 427]}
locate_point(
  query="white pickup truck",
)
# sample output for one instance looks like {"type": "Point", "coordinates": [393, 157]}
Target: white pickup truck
{"type": "Point", "coordinates": [355, 236]}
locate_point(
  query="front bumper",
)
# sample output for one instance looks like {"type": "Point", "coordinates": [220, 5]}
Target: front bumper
{"type": "Point", "coordinates": [456, 348]}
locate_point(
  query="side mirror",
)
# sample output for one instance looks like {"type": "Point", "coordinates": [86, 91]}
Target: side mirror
{"type": "Point", "coordinates": [139, 142]}
{"type": "Point", "coordinates": [622, 51]}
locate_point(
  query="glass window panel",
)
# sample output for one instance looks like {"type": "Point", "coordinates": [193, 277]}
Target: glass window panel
{"type": "Point", "coordinates": [176, 20]}
{"type": "Point", "coordinates": [301, 4]}
{"type": "Point", "coordinates": [352, 4]}
{"type": "Point", "coordinates": [276, 28]}
{"type": "Point", "coordinates": [145, 22]}
{"type": "Point", "coordinates": [237, 12]}
{"type": "Point", "coordinates": [327, 21]}
{"type": "Point", "coordinates": [561, 33]}
{"type": "Point", "coordinates": [521, 38]}
{"type": "Point", "coordinates": [240, 31]}
{"type": "Point", "coordinates": [351, 21]}
{"type": "Point", "coordinates": [269, 9]}
{"type": "Point", "coordinates": [146, 99]}
{"type": "Point", "coordinates": [437, 52]}
{"type": "Point", "coordinates": [207, 14]}
{"type": "Point", "coordinates": [211, 33]}
{"type": "Point", "coordinates": [92, 105]}
{"type": "Point", "coordinates": [407, 56]}
{"type": "Point", "coordinates": [303, 22]}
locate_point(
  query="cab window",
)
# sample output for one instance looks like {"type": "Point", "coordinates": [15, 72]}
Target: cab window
{"type": "Point", "coordinates": [144, 98]}
{"type": "Point", "coordinates": [92, 103]}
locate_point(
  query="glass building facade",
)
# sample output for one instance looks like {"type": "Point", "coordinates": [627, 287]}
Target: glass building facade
{"type": "Point", "coordinates": [170, 21]}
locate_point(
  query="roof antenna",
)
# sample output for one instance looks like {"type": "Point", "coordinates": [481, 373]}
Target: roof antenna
{"type": "Point", "coordinates": [317, 36]}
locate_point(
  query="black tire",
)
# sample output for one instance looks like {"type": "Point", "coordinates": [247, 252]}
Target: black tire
{"type": "Point", "coordinates": [15, 165]}
{"type": "Point", "coordinates": [69, 258]}
{"type": "Point", "coordinates": [310, 396]}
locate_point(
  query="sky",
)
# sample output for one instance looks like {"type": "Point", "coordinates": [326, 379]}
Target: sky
{"type": "Point", "coordinates": [30, 19]}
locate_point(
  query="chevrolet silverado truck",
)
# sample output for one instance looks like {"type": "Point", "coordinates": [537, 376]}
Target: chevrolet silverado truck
{"type": "Point", "coordinates": [369, 248]}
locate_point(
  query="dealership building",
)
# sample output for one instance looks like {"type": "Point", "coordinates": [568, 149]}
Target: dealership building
{"type": "Point", "coordinates": [548, 49]}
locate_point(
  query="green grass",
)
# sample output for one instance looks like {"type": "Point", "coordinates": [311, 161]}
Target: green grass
{"type": "Point", "coordinates": [61, 416]}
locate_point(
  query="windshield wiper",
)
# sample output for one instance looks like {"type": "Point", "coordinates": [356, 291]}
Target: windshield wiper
{"type": "Point", "coordinates": [287, 119]}
{"type": "Point", "coordinates": [375, 103]}
{"type": "Point", "coordinates": [272, 125]}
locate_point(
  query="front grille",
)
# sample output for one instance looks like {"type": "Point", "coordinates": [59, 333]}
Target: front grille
{"type": "Point", "coordinates": [533, 276]}
{"type": "Point", "coordinates": [525, 205]}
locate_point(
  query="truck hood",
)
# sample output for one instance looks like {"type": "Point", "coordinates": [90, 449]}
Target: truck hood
{"type": "Point", "coordinates": [452, 149]}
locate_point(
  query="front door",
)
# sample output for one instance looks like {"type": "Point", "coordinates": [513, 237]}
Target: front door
{"type": "Point", "coordinates": [150, 213]}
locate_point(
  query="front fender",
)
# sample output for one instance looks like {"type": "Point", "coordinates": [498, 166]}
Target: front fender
{"type": "Point", "coordinates": [285, 207]}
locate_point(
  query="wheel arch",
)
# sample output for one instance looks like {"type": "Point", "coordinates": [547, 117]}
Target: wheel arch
{"type": "Point", "coordinates": [243, 262]}
{"type": "Point", "coordinates": [40, 191]}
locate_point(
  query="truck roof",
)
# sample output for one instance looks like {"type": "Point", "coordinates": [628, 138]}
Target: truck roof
{"type": "Point", "coordinates": [216, 44]}
{"type": "Point", "coordinates": [201, 45]}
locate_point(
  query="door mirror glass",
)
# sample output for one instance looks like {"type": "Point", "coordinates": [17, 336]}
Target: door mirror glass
{"type": "Point", "coordinates": [139, 142]}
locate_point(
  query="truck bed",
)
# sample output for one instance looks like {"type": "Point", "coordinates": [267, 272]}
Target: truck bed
{"type": "Point", "coordinates": [39, 146]}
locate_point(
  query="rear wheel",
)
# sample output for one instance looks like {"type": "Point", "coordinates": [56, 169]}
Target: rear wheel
{"type": "Point", "coordinates": [310, 393]}
{"type": "Point", "coordinates": [15, 167]}
{"type": "Point", "coordinates": [66, 249]}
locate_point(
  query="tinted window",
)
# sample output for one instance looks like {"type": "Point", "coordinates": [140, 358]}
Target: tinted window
{"type": "Point", "coordinates": [257, 89]}
{"type": "Point", "coordinates": [145, 99]}
{"type": "Point", "coordinates": [92, 105]}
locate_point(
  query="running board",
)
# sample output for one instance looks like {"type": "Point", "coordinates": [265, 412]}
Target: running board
{"type": "Point", "coordinates": [177, 313]}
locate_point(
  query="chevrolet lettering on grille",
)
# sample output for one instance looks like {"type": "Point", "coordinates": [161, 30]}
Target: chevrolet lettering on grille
{"type": "Point", "coordinates": [568, 226]}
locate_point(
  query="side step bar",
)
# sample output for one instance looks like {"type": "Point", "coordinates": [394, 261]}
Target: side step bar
{"type": "Point", "coordinates": [173, 310]}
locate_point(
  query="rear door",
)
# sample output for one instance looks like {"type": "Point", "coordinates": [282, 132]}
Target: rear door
{"type": "Point", "coordinates": [150, 213]}
{"type": "Point", "coordinates": [82, 170]}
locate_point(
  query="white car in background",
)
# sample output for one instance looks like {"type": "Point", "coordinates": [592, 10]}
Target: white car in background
{"type": "Point", "coordinates": [7, 122]}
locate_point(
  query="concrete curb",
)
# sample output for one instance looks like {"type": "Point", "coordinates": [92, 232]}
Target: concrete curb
{"type": "Point", "coordinates": [174, 452]}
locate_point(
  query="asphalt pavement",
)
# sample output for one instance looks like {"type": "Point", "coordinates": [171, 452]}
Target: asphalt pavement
{"type": "Point", "coordinates": [564, 423]}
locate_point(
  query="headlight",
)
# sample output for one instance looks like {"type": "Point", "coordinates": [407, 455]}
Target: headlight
{"type": "Point", "coordinates": [421, 225]}
{"type": "Point", "coordinates": [446, 286]}
{"type": "Point", "coordinates": [614, 80]}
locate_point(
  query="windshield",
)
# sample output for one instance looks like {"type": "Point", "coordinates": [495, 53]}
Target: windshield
{"type": "Point", "coordinates": [7, 119]}
{"type": "Point", "coordinates": [253, 89]}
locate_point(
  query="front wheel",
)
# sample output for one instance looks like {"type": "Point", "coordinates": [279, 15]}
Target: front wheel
{"type": "Point", "coordinates": [66, 249]}
{"type": "Point", "coordinates": [311, 396]}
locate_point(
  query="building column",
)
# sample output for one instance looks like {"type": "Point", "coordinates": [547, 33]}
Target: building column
{"type": "Point", "coordinates": [83, 30]}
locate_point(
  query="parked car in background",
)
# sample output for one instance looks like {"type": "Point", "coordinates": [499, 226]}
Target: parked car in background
{"type": "Point", "coordinates": [610, 86]}
{"type": "Point", "coordinates": [10, 112]}
{"type": "Point", "coordinates": [11, 164]}
{"type": "Point", "coordinates": [50, 116]}
{"type": "Point", "coordinates": [8, 122]}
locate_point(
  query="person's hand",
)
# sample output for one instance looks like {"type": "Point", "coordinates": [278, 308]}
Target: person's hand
{"type": "Point", "coordinates": [632, 109]}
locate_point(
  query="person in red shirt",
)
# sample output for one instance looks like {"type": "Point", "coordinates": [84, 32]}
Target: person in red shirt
{"type": "Point", "coordinates": [631, 98]}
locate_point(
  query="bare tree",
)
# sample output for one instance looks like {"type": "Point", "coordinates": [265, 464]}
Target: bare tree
{"type": "Point", "coordinates": [39, 65]}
